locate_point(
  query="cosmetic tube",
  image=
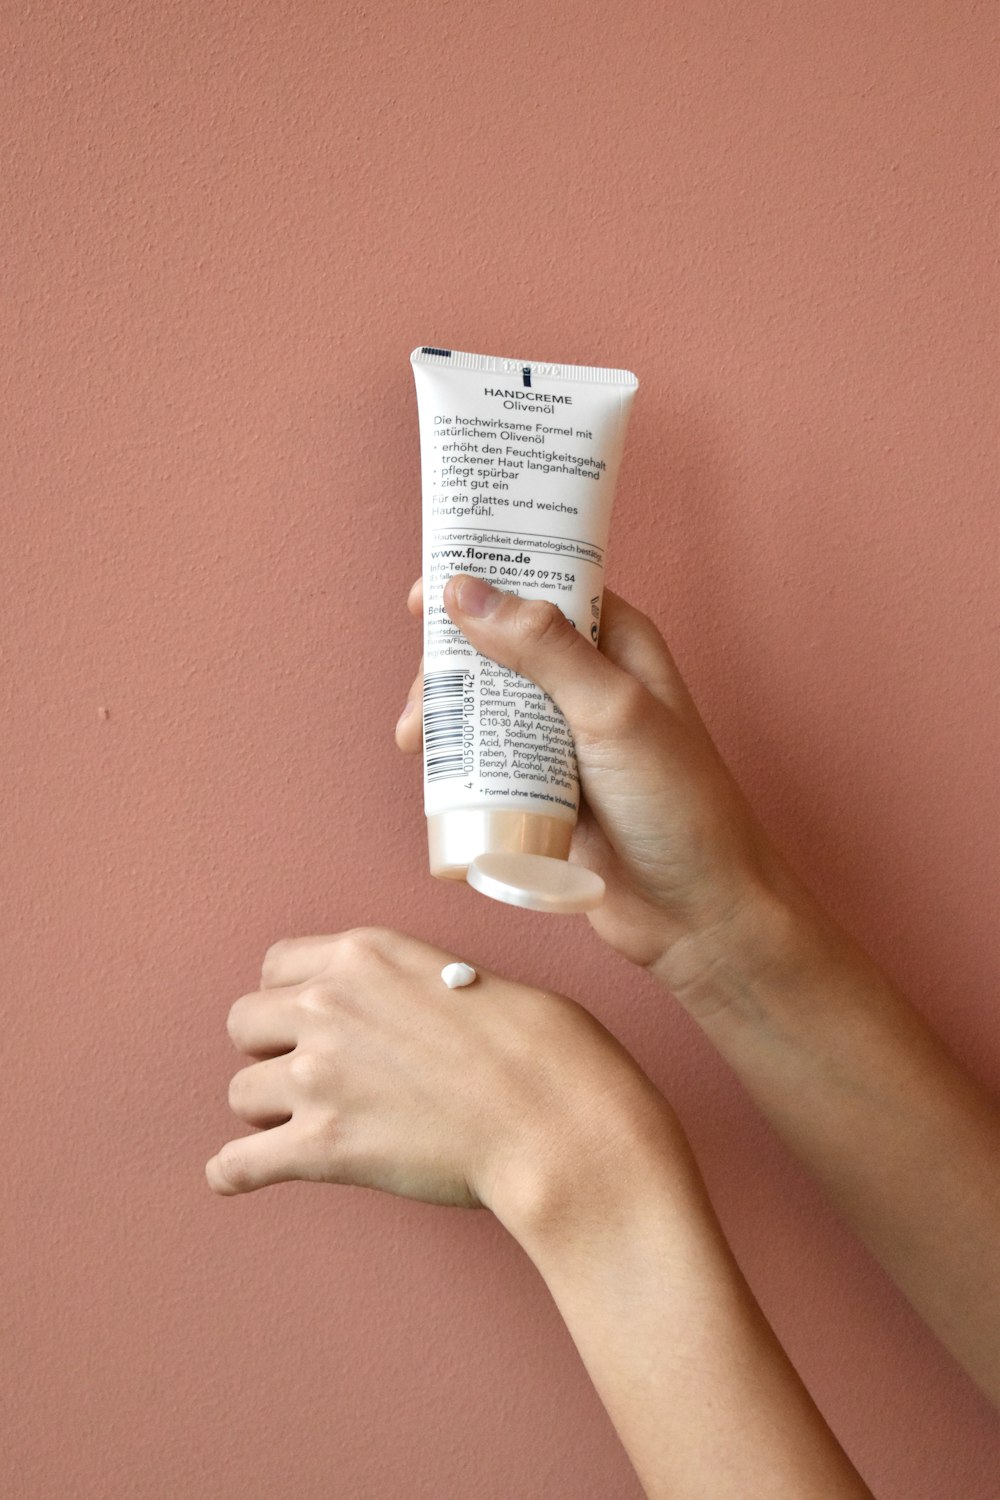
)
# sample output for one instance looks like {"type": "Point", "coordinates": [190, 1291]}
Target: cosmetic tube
{"type": "Point", "coordinates": [519, 461]}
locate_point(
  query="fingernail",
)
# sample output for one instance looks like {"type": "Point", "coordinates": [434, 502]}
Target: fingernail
{"type": "Point", "coordinates": [407, 711]}
{"type": "Point", "coordinates": [477, 598]}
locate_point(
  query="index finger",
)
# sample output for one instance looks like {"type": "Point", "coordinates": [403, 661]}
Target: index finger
{"type": "Point", "coordinates": [294, 960]}
{"type": "Point", "coordinates": [633, 642]}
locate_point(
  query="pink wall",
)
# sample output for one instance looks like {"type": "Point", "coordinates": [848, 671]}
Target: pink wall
{"type": "Point", "coordinates": [231, 224]}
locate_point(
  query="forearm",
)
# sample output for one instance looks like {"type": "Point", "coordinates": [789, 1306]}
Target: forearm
{"type": "Point", "coordinates": [906, 1144]}
{"type": "Point", "coordinates": [700, 1392]}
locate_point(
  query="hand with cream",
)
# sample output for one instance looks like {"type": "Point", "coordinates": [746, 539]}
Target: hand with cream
{"type": "Point", "coordinates": [371, 1071]}
{"type": "Point", "coordinates": [848, 1072]}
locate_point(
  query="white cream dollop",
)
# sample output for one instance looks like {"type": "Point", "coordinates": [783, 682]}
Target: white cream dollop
{"type": "Point", "coordinates": [457, 976]}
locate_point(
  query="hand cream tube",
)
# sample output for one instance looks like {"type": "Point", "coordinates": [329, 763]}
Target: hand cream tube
{"type": "Point", "coordinates": [519, 461]}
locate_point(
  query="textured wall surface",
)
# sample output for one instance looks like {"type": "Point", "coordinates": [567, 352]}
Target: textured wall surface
{"type": "Point", "coordinates": [225, 227]}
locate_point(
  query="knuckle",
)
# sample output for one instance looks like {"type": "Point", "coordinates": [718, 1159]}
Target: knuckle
{"type": "Point", "coordinates": [541, 622]}
{"type": "Point", "coordinates": [327, 1124]}
{"type": "Point", "coordinates": [310, 1073]}
{"type": "Point", "coordinates": [316, 999]}
{"type": "Point", "coordinates": [362, 944]}
{"type": "Point", "coordinates": [325, 1133]}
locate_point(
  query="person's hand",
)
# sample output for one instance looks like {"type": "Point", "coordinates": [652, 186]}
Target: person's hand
{"type": "Point", "coordinates": [661, 818]}
{"type": "Point", "coordinates": [371, 1072]}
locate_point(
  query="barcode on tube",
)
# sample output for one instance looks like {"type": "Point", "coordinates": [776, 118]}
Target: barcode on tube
{"type": "Point", "coordinates": [447, 750]}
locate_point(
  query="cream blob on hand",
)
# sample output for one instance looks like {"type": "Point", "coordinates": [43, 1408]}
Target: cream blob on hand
{"type": "Point", "coordinates": [519, 461]}
{"type": "Point", "coordinates": [458, 976]}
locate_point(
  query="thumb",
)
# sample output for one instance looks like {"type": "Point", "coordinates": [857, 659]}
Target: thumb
{"type": "Point", "coordinates": [534, 637]}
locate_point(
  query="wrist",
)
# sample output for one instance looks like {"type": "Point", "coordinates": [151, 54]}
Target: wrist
{"type": "Point", "coordinates": [585, 1171]}
{"type": "Point", "coordinates": [758, 948]}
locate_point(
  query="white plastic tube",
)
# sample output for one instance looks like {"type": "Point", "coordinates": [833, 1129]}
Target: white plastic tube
{"type": "Point", "coordinates": [519, 462]}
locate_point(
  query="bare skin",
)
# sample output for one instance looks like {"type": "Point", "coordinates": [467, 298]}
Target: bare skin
{"type": "Point", "coordinates": [904, 1141]}
{"type": "Point", "coordinates": [368, 1071]}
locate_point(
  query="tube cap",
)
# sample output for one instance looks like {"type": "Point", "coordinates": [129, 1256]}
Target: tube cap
{"type": "Point", "coordinates": [536, 881]}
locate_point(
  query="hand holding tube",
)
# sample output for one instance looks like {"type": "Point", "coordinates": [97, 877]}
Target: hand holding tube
{"type": "Point", "coordinates": [662, 820]}
{"type": "Point", "coordinates": [847, 1071]}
